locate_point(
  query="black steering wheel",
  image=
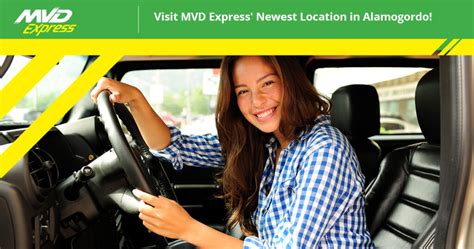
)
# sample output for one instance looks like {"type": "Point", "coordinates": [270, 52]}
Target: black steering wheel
{"type": "Point", "coordinates": [142, 169]}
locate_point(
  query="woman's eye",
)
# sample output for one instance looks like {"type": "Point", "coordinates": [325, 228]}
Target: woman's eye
{"type": "Point", "coordinates": [241, 92]}
{"type": "Point", "coordinates": [268, 83]}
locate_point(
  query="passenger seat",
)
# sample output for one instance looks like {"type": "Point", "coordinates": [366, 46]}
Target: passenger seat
{"type": "Point", "coordinates": [402, 203]}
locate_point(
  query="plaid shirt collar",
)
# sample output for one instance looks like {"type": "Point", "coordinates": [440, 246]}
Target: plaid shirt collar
{"type": "Point", "coordinates": [303, 135]}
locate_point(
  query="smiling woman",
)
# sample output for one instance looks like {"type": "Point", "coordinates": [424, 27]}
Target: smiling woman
{"type": "Point", "coordinates": [272, 122]}
{"type": "Point", "coordinates": [306, 192]}
{"type": "Point", "coordinates": [287, 171]}
{"type": "Point", "coordinates": [259, 93]}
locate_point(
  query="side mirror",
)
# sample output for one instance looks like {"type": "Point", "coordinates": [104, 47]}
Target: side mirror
{"type": "Point", "coordinates": [7, 61]}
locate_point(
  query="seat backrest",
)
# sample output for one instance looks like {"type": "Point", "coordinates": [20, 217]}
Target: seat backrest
{"type": "Point", "coordinates": [404, 198]}
{"type": "Point", "coordinates": [355, 112]}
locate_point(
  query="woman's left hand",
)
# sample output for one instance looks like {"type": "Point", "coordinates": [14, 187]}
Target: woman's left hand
{"type": "Point", "coordinates": [163, 216]}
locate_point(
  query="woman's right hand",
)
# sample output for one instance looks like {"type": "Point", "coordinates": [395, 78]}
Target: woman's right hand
{"type": "Point", "coordinates": [153, 129]}
{"type": "Point", "coordinates": [120, 92]}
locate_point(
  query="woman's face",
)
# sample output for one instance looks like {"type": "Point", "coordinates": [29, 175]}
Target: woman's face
{"type": "Point", "coordinates": [259, 93]}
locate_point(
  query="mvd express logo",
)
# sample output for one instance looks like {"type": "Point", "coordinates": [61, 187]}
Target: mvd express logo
{"type": "Point", "coordinates": [46, 21]}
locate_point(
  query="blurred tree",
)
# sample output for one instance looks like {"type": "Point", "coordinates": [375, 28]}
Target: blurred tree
{"type": "Point", "coordinates": [173, 102]}
{"type": "Point", "coordinates": [200, 103]}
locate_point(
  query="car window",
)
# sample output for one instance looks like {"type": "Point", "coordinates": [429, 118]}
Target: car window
{"type": "Point", "coordinates": [45, 92]}
{"type": "Point", "coordinates": [185, 98]}
{"type": "Point", "coordinates": [395, 87]}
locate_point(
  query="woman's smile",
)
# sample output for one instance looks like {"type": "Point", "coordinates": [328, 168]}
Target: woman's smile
{"type": "Point", "coordinates": [266, 114]}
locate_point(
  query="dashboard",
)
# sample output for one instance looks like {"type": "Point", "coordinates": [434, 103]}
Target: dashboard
{"type": "Point", "coordinates": [29, 198]}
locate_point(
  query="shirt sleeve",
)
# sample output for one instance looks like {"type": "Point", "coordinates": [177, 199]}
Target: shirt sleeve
{"type": "Point", "coordinates": [199, 151]}
{"type": "Point", "coordinates": [325, 188]}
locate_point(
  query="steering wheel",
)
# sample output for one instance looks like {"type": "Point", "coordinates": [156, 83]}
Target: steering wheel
{"type": "Point", "coordinates": [136, 165]}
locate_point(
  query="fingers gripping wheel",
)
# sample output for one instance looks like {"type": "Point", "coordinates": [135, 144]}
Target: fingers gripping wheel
{"type": "Point", "coordinates": [135, 168]}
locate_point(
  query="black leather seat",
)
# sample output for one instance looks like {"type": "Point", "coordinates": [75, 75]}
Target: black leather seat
{"type": "Point", "coordinates": [355, 112]}
{"type": "Point", "coordinates": [402, 203]}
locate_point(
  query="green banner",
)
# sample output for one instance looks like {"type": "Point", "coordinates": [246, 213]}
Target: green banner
{"type": "Point", "coordinates": [237, 19]}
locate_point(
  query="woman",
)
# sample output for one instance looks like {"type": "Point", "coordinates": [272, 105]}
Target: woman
{"type": "Point", "coordinates": [290, 179]}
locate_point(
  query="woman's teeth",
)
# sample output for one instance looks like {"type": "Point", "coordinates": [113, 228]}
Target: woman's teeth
{"type": "Point", "coordinates": [266, 113]}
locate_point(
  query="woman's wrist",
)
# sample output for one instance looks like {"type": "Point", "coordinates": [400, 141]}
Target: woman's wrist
{"type": "Point", "coordinates": [137, 98]}
{"type": "Point", "coordinates": [191, 230]}
{"type": "Point", "coordinates": [204, 236]}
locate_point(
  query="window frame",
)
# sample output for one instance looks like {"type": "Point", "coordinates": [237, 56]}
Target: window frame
{"type": "Point", "coordinates": [123, 67]}
{"type": "Point", "coordinates": [180, 63]}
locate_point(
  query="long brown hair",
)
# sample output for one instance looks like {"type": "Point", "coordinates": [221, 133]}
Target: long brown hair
{"type": "Point", "coordinates": [243, 145]}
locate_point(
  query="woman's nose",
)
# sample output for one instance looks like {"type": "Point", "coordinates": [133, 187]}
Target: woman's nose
{"type": "Point", "coordinates": [258, 100]}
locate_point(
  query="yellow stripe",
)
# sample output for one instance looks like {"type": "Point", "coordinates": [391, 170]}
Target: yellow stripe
{"type": "Point", "coordinates": [26, 79]}
{"type": "Point", "coordinates": [464, 47]}
{"type": "Point", "coordinates": [224, 46]}
{"type": "Point", "coordinates": [59, 107]}
{"type": "Point", "coordinates": [448, 47]}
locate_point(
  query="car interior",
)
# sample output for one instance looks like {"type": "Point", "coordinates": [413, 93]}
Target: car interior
{"type": "Point", "coordinates": [350, 105]}
{"type": "Point", "coordinates": [73, 188]}
{"type": "Point", "coordinates": [404, 198]}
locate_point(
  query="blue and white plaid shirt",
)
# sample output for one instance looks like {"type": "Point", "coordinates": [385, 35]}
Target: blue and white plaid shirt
{"type": "Point", "coordinates": [311, 199]}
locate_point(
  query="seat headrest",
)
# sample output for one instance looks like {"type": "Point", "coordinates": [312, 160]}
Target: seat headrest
{"type": "Point", "coordinates": [427, 102]}
{"type": "Point", "coordinates": [355, 110]}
